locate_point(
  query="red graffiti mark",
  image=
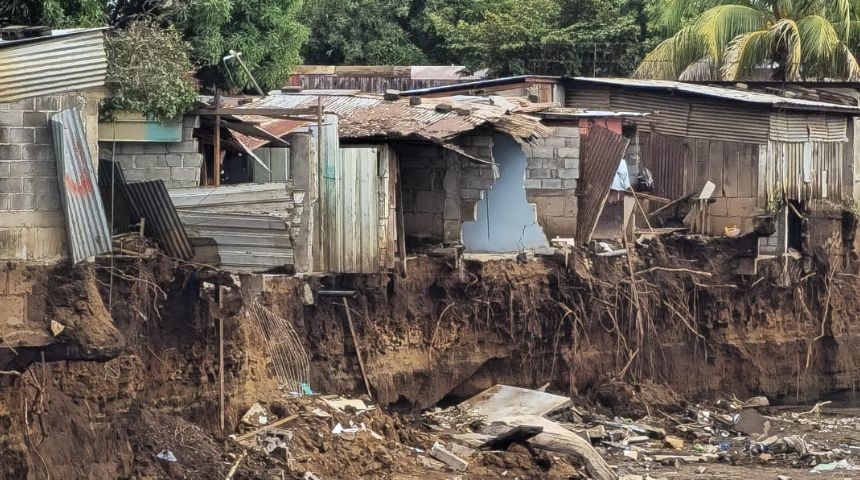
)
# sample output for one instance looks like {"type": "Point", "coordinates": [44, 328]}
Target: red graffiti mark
{"type": "Point", "coordinates": [78, 187]}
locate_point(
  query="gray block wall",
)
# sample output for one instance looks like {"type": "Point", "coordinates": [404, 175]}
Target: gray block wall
{"type": "Point", "coordinates": [32, 225]}
{"type": "Point", "coordinates": [178, 164]}
{"type": "Point", "coordinates": [552, 173]}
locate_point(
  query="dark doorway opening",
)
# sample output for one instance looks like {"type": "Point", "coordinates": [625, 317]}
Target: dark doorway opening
{"type": "Point", "coordinates": [795, 225]}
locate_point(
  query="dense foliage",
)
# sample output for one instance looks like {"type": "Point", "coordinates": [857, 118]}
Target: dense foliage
{"type": "Point", "coordinates": [144, 59]}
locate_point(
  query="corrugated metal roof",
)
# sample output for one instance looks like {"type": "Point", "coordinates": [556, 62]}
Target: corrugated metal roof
{"type": "Point", "coordinates": [722, 93]}
{"type": "Point", "coordinates": [162, 222]}
{"type": "Point", "coordinates": [86, 224]}
{"type": "Point", "coordinates": [65, 61]}
{"type": "Point", "coordinates": [365, 116]}
{"type": "Point", "coordinates": [603, 150]}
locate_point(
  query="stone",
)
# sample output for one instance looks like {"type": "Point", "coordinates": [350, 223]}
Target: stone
{"type": "Point", "coordinates": [675, 442]}
{"type": "Point", "coordinates": [751, 422]}
{"type": "Point", "coordinates": [443, 455]}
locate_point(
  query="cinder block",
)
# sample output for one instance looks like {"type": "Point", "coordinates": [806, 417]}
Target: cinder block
{"type": "Point", "coordinates": [553, 163]}
{"type": "Point", "coordinates": [11, 185]}
{"type": "Point", "coordinates": [430, 201]}
{"type": "Point", "coordinates": [544, 152]}
{"type": "Point", "coordinates": [186, 146]}
{"type": "Point", "coordinates": [194, 160]}
{"type": "Point", "coordinates": [131, 148]}
{"type": "Point", "coordinates": [21, 135]}
{"type": "Point", "coordinates": [567, 132]}
{"type": "Point", "coordinates": [4, 203]}
{"type": "Point", "coordinates": [36, 309]}
{"type": "Point", "coordinates": [43, 136]}
{"type": "Point", "coordinates": [10, 152]}
{"type": "Point", "coordinates": [538, 173]}
{"type": "Point", "coordinates": [533, 183]}
{"type": "Point", "coordinates": [550, 206]}
{"type": "Point", "coordinates": [17, 282]}
{"type": "Point", "coordinates": [43, 186]}
{"type": "Point", "coordinates": [5, 168]}
{"type": "Point", "coordinates": [12, 310]}
{"type": "Point", "coordinates": [35, 119]}
{"type": "Point", "coordinates": [154, 148]}
{"type": "Point", "coordinates": [26, 105]}
{"type": "Point", "coordinates": [173, 159]}
{"type": "Point", "coordinates": [184, 174]}
{"type": "Point", "coordinates": [48, 201]}
{"type": "Point", "coordinates": [572, 162]}
{"type": "Point", "coordinates": [48, 104]}
{"type": "Point", "coordinates": [567, 152]}
{"type": "Point", "coordinates": [569, 184]}
{"type": "Point", "coordinates": [572, 142]}
{"type": "Point", "coordinates": [555, 142]}
{"type": "Point", "coordinates": [568, 173]}
{"type": "Point", "coordinates": [37, 152]}
{"type": "Point", "coordinates": [22, 202]}
{"type": "Point", "coordinates": [146, 161]}
{"type": "Point", "coordinates": [564, 227]}
{"type": "Point", "coordinates": [33, 169]}
{"type": "Point", "coordinates": [551, 183]}
{"type": "Point", "coordinates": [11, 119]}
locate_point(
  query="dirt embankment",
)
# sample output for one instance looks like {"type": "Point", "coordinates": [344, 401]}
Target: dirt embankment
{"type": "Point", "coordinates": [109, 394]}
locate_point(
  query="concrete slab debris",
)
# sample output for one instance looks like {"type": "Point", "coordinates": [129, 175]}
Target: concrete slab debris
{"type": "Point", "coordinates": [347, 405]}
{"type": "Point", "coordinates": [443, 455]}
{"type": "Point", "coordinates": [501, 401]}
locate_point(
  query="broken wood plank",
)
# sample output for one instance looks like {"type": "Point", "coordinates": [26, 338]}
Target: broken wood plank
{"type": "Point", "coordinates": [520, 433]}
{"type": "Point", "coordinates": [249, 435]}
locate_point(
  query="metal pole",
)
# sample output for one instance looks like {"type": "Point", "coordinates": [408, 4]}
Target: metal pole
{"type": "Point", "coordinates": [237, 56]}
{"type": "Point", "coordinates": [216, 159]}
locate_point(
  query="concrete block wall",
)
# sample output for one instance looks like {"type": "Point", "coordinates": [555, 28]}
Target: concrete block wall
{"type": "Point", "coordinates": [441, 188]}
{"type": "Point", "coordinates": [422, 174]}
{"type": "Point", "coordinates": [178, 164]}
{"type": "Point", "coordinates": [32, 225]}
{"type": "Point", "coordinates": [22, 299]}
{"type": "Point", "coordinates": [552, 172]}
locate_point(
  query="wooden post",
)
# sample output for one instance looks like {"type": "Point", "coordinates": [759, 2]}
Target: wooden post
{"type": "Point", "coordinates": [357, 348]}
{"type": "Point", "coordinates": [401, 223]}
{"type": "Point", "coordinates": [216, 157]}
{"type": "Point", "coordinates": [220, 359]}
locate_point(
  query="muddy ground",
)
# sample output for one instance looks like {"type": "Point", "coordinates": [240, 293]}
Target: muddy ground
{"type": "Point", "coordinates": [135, 370]}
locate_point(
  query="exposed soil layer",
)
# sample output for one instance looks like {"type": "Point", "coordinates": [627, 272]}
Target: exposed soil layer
{"type": "Point", "coordinates": [135, 369]}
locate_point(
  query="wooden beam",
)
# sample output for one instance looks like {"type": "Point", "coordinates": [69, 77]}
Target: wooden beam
{"type": "Point", "coordinates": [357, 347]}
{"type": "Point", "coordinates": [262, 112]}
{"type": "Point", "coordinates": [216, 158]}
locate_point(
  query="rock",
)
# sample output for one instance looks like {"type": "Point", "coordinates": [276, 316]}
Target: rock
{"type": "Point", "coordinates": [632, 454]}
{"type": "Point", "coordinates": [750, 422]}
{"type": "Point", "coordinates": [631, 477]}
{"type": "Point", "coordinates": [701, 470]}
{"type": "Point", "coordinates": [756, 402]}
{"type": "Point", "coordinates": [675, 442]}
{"type": "Point", "coordinates": [765, 457]}
{"type": "Point", "coordinates": [783, 477]}
{"type": "Point", "coordinates": [307, 294]}
{"type": "Point", "coordinates": [440, 453]}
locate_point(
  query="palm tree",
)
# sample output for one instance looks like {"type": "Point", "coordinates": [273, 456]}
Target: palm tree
{"type": "Point", "coordinates": [790, 40]}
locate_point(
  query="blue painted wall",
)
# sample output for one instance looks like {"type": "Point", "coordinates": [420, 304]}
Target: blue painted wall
{"type": "Point", "coordinates": [506, 222]}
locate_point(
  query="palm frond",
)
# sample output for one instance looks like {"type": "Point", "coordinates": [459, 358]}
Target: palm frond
{"type": "Point", "coordinates": [824, 52]}
{"type": "Point", "coordinates": [746, 53]}
{"type": "Point", "coordinates": [786, 38]}
{"type": "Point", "coordinates": [668, 59]}
{"type": "Point", "coordinates": [720, 25]}
{"type": "Point", "coordinates": [704, 70]}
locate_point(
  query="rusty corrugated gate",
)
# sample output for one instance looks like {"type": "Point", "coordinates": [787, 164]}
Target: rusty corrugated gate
{"type": "Point", "coordinates": [602, 153]}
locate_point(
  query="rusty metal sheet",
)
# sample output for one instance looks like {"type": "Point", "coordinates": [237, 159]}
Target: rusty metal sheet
{"type": "Point", "coordinates": [86, 224]}
{"type": "Point", "coordinates": [813, 170]}
{"type": "Point", "coordinates": [162, 221]}
{"type": "Point", "coordinates": [66, 61]}
{"type": "Point", "coordinates": [120, 209]}
{"type": "Point", "coordinates": [602, 153]}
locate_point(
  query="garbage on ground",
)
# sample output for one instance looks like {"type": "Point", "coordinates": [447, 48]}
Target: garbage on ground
{"type": "Point", "coordinates": [166, 455]}
{"type": "Point", "coordinates": [274, 439]}
{"type": "Point", "coordinates": [346, 405]}
{"type": "Point", "coordinates": [256, 416]}
{"type": "Point", "coordinates": [443, 455]}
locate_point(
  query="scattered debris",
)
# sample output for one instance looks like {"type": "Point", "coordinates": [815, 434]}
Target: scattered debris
{"type": "Point", "coordinates": [166, 455]}
{"type": "Point", "coordinates": [256, 416]}
{"type": "Point", "coordinates": [56, 328]}
{"type": "Point", "coordinates": [440, 453]}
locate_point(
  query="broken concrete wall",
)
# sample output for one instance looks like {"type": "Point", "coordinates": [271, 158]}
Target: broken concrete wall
{"type": "Point", "coordinates": [441, 188]}
{"type": "Point", "coordinates": [551, 175]}
{"type": "Point", "coordinates": [176, 163]}
{"type": "Point", "coordinates": [506, 221]}
{"type": "Point", "coordinates": [32, 225]}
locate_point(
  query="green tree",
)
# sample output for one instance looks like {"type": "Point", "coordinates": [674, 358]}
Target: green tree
{"type": "Point", "coordinates": [360, 32]}
{"type": "Point", "coordinates": [54, 13]}
{"type": "Point", "coordinates": [266, 32]}
{"type": "Point", "coordinates": [781, 39]}
{"type": "Point", "coordinates": [150, 71]}
{"type": "Point", "coordinates": [512, 37]}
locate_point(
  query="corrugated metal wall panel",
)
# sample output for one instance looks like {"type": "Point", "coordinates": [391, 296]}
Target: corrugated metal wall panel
{"type": "Point", "coordinates": [245, 242]}
{"type": "Point", "coordinates": [666, 157]}
{"type": "Point", "coordinates": [587, 97]}
{"type": "Point", "coordinates": [728, 123]}
{"type": "Point", "coordinates": [162, 221]}
{"type": "Point", "coordinates": [798, 127]}
{"type": "Point", "coordinates": [86, 223]}
{"type": "Point", "coordinates": [66, 63]}
{"type": "Point", "coordinates": [813, 170]}
{"type": "Point", "coordinates": [602, 153]}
